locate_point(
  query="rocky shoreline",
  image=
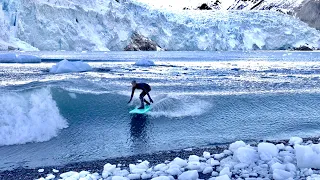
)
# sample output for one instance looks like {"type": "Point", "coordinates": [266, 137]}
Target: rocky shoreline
{"type": "Point", "coordinates": [153, 159]}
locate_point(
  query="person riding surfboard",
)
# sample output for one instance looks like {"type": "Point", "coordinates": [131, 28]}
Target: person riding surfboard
{"type": "Point", "coordinates": [145, 91]}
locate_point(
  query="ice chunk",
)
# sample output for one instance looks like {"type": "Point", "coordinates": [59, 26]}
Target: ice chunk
{"type": "Point", "coordinates": [180, 162]}
{"type": "Point", "coordinates": [291, 167]}
{"type": "Point", "coordinates": [70, 175]}
{"type": "Point", "coordinates": [289, 148]}
{"type": "Point", "coordinates": [174, 171]}
{"type": "Point", "coordinates": [8, 58]}
{"type": "Point", "coordinates": [123, 173]}
{"type": "Point", "coordinates": [189, 175]}
{"type": "Point", "coordinates": [66, 66]}
{"type": "Point", "coordinates": [109, 168]}
{"type": "Point", "coordinates": [28, 59]}
{"type": "Point", "coordinates": [119, 178]}
{"type": "Point", "coordinates": [134, 176]}
{"type": "Point", "coordinates": [143, 165]}
{"type": "Point", "coordinates": [161, 178]}
{"type": "Point", "coordinates": [139, 168]}
{"type": "Point", "coordinates": [224, 177]}
{"type": "Point", "coordinates": [193, 165]}
{"type": "Point", "coordinates": [308, 156]}
{"type": "Point", "coordinates": [246, 155]}
{"type": "Point", "coordinates": [279, 174]}
{"type": "Point", "coordinates": [40, 170]}
{"type": "Point", "coordinates": [295, 140]}
{"type": "Point", "coordinates": [278, 166]}
{"type": "Point", "coordinates": [50, 176]}
{"type": "Point", "coordinates": [160, 167]}
{"type": "Point", "coordinates": [55, 171]}
{"type": "Point", "coordinates": [236, 145]}
{"type": "Point", "coordinates": [193, 158]}
{"type": "Point", "coordinates": [144, 62]}
{"type": "Point", "coordinates": [206, 155]}
{"type": "Point", "coordinates": [146, 176]}
{"type": "Point", "coordinates": [83, 173]}
{"type": "Point", "coordinates": [207, 170]}
{"type": "Point", "coordinates": [240, 166]}
{"type": "Point", "coordinates": [219, 156]}
{"type": "Point", "coordinates": [214, 174]}
{"type": "Point", "coordinates": [225, 171]}
{"type": "Point", "coordinates": [267, 151]}
{"type": "Point", "coordinates": [213, 162]}
{"type": "Point", "coordinates": [280, 146]}
{"type": "Point", "coordinates": [314, 177]}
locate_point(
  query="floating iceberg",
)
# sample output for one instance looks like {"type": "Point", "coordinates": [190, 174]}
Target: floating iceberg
{"type": "Point", "coordinates": [66, 66]}
{"type": "Point", "coordinates": [144, 62]}
{"type": "Point", "coordinates": [14, 58]}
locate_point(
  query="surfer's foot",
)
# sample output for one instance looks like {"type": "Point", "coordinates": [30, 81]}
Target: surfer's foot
{"type": "Point", "coordinates": [141, 107]}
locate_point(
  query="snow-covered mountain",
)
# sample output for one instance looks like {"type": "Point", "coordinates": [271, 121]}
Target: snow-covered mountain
{"type": "Point", "coordinates": [100, 25]}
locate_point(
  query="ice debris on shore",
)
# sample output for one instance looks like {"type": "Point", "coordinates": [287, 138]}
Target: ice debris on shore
{"type": "Point", "coordinates": [66, 66]}
{"type": "Point", "coordinates": [297, 160]}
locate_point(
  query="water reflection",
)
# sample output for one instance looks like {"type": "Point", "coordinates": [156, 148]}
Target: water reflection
{"type": "Point", "coordinates": [138, 132]}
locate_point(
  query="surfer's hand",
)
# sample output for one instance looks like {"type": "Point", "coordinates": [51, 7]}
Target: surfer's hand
{"type": "Point", "coordinates": [151, 100]}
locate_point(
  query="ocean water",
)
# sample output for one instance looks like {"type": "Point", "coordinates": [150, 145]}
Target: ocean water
{"type": "Point", "coordinates": [200, 99]}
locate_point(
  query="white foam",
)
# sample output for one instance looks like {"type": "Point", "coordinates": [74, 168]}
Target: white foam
{"type": "Point", "coordinates": [73, 95]}
{"type": "Point", "coordinates": [179, 106]}
{"type": "Point", "coordinates": [66, 66]}
{"type": "Point", "coordinates": [29, 117]}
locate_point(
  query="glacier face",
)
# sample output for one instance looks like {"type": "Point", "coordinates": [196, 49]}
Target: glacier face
{"type": "Point", "coordinates": [101, 25]}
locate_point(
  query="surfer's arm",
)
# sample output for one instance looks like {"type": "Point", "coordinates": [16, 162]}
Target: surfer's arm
{"type": "Point", "coordinates": [132, 93]}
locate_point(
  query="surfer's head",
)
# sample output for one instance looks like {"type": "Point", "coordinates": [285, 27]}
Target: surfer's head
{"type": "Point", "coordinates": [133, 83]}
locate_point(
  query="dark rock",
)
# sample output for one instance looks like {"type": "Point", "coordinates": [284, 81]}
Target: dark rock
{"type": "Point", "coordinates": [141, 43]}
{"type": "Point", "coordinates": [11, 48]}
{"type": "Point", "coordinates": [309, 12]}
{"type": "Point", "coordinates": [204, 6]}
{"type": "Point", "coordinates": [303, 48]}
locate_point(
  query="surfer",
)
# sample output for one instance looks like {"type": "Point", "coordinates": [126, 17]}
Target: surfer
{"type": "Point", "coordinates": [145, 91]}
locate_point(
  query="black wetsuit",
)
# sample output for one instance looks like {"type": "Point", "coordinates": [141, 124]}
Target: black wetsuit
{"type": "Point", "coordinates": [145, 91]}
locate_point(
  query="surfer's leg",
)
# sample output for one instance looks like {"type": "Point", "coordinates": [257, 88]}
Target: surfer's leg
{"type": "Point", "coordinates": [146, 101]}
{"type": "Point", "coordinates": [141, 100]}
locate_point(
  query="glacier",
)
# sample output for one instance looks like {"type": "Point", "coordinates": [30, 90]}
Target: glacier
{"type": "Point", "coordinates": [102, 25]}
